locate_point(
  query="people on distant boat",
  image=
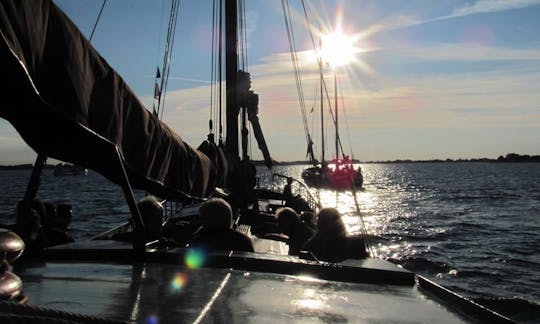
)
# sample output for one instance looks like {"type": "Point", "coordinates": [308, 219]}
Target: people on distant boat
{"type": "Point", "coordinates": [54, 229]}
{"type": "Point", "coordinates": [331, 242]}
{"type": "Point", "coordinates": [289, 223]}
{"type": "Point", "coordinates": [287, 190]}
{"type": "Point", "coordinates": [295, 202]}
{"type": "Point", "coordinates": [216, 232]}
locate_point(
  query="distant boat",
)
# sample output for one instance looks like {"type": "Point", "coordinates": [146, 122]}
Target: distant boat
{"type": "Point", "coordinates": [338, 173]}
{"type": "Point", "coordinates": [65, 169]}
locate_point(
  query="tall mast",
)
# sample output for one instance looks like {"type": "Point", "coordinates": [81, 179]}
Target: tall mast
{"type": "Point", "coordinates": [231, 75]}
{"type": "Point", "coordinates": [322, 99]}
{"type": "Point", "coordinates": [336, 111]}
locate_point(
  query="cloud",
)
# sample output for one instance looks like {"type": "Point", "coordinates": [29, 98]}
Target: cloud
{"type": "Point", "coordinates": [467, 52]}
{"type": "Point", "coordinates": [486, 6]}
{"type": "Point", "coordinates": [482, 6]}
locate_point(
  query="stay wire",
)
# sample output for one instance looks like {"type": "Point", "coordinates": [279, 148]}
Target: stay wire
{"type": "Point", "coordinates": [344, 109]}
{"type": "Point", "coordinates": [243, 36]}
{"type": "Point", "coordinates": [166, 61]}
{"type": "Point", "coordinates": [294, 59]}
{"type": "Point", "coordinates": [213, 63]}
{"type": "Point", "coordinates": [357, 205]}
{"type": "Point", "coordinates": [220, 71]}
{"type": "Point", "coordinates": [170, 43]}
{"type": "Point", "coordinates": [97, 20]}
{"type": "Point", "coordinates": [320, 63]}
{"type": "Point", "coordinates": [157, 90]}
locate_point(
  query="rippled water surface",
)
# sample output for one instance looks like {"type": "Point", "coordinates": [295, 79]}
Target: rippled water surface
{"type": "Point", "coordinates": [473, 227]}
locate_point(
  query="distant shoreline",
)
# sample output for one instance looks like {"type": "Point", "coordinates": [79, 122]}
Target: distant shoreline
{"type": "Point", "coordinates": [511, 157]}
{"type": "Point", "coordinates": [23, 167]}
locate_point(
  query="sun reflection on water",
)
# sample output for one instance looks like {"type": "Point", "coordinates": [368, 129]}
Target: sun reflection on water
{"type": "Point", "coordinates": [387, 206]}
{"type": "Point", "coordinates": [381, 206]}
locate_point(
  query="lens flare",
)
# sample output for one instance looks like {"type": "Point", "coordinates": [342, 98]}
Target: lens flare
{"type": "Point", "coordinates": [195, 258]}
{"type": "Point", "coordinates": [179, 281]}
{"type": "Point", "coordinates": [152, 319]}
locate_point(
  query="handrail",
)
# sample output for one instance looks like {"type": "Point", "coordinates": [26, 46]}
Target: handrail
{"type": "Point", "coordinates": [301, 188]}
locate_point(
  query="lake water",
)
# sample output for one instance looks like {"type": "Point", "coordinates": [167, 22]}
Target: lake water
{"type": "Point", "coordinates": [472, 227]}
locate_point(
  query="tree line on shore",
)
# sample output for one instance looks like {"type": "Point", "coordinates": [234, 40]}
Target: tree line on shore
{"type": "Point", "coordinates": [510, 157]}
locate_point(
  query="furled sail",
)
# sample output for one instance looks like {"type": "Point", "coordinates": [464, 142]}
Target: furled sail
{"type": "Point", "coordinates": [67, 103]}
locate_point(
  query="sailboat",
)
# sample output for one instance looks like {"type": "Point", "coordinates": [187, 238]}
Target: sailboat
{"type": "Point", "coordinates": [339, 173]}
{"type": "Point", "coordinates": [83, 113]}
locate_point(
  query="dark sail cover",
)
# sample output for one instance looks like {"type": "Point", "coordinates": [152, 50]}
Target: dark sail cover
{"type": "Point", "coordinates": [67, 103]}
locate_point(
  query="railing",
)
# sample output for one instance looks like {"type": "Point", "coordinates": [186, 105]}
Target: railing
{"type": "Point", "coordinates": [172, 208]}
{"type": "Point", "coordinates": [298, 188]}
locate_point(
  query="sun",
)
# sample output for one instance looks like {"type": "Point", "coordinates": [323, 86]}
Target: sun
{"type": "Point", "coordinates": [338, 49]}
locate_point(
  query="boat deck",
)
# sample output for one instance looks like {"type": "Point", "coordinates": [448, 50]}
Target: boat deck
{"type": "Point", "coordinates": [230, 287]}
{"type": "Point", "coordinates": [175, 294]}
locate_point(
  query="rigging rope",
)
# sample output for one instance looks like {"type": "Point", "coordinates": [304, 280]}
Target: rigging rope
{"type": "Point", "coordinates": [167, 58]}
{"type": "Point", "coordinates": [97, 21]}
{"type": "Point", "coordinates": [319, 62]}
{"type": "Point", "coordinates": [363, 228]}
{"type": "Point", "coordinates": [294, 58]}
{"type": "Point", "coordinates": [243, 36]}
{"type": "Point", "coordinates": [346, 121]}
{"type": "Point", "coordinates": [220, 72]}
{"type": "Point", "coordinates": [213, 69]}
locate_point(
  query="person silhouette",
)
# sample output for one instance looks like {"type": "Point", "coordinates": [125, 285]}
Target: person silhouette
{"type": "Point", "coordinates": [331, 242]}
{"type": "Point", "coordinates": [216, 232]}
{"type": "Point", "coordinates": [152, 214]}
{"type": "Point", "coordinates": [29, 215]}
{"type": "Point", "coordinates": [289, 223]}
{"type": "Point", "coordinates": [54, 230]}
{"type": "Point", "coordinates": [287, 190]}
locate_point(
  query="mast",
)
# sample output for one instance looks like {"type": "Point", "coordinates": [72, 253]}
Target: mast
{"type": "Point", "coordinates": [336, 112]}
{"type": "Point", "coordinates": [231, 75]}
{"type": "Point", "coordinates": [322, 108]}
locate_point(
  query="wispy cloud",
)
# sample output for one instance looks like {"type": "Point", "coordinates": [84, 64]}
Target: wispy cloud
{"type": "Point", "coordinates": [486, 6]}
{"type": "Point", "coordinates": [482, 6]}
{"type": "Point", "coordinates": [466, 52]}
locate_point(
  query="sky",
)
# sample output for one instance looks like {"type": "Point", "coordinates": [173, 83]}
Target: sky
{"type": "Point", "coordinates": [428, 79]}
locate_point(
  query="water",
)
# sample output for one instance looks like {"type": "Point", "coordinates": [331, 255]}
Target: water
{"type": "Point", "coordinates": [472, 227]}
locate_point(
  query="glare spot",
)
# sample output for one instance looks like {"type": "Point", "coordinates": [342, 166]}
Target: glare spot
{"type": "Point", "coordinates": [152, 319]}
{"type": "Point", "coordinates": [308, 303]}
{"type": "Point", "coordinates": [194, 258]}
{"type": "Point", "coordinates": [307, 278]}
{"type": "Point", "coordinates": [179, 281]}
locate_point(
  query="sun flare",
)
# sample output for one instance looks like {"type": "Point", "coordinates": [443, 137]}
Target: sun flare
{"type": "Point", "coordinates": [338, 49]}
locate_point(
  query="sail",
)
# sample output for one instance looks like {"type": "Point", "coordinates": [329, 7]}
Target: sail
{"type": "Point", "coordinates": [67, 103]}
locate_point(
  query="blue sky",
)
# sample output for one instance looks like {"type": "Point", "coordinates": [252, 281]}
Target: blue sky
{"type": "Point", "coordinates": [432, 79]}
